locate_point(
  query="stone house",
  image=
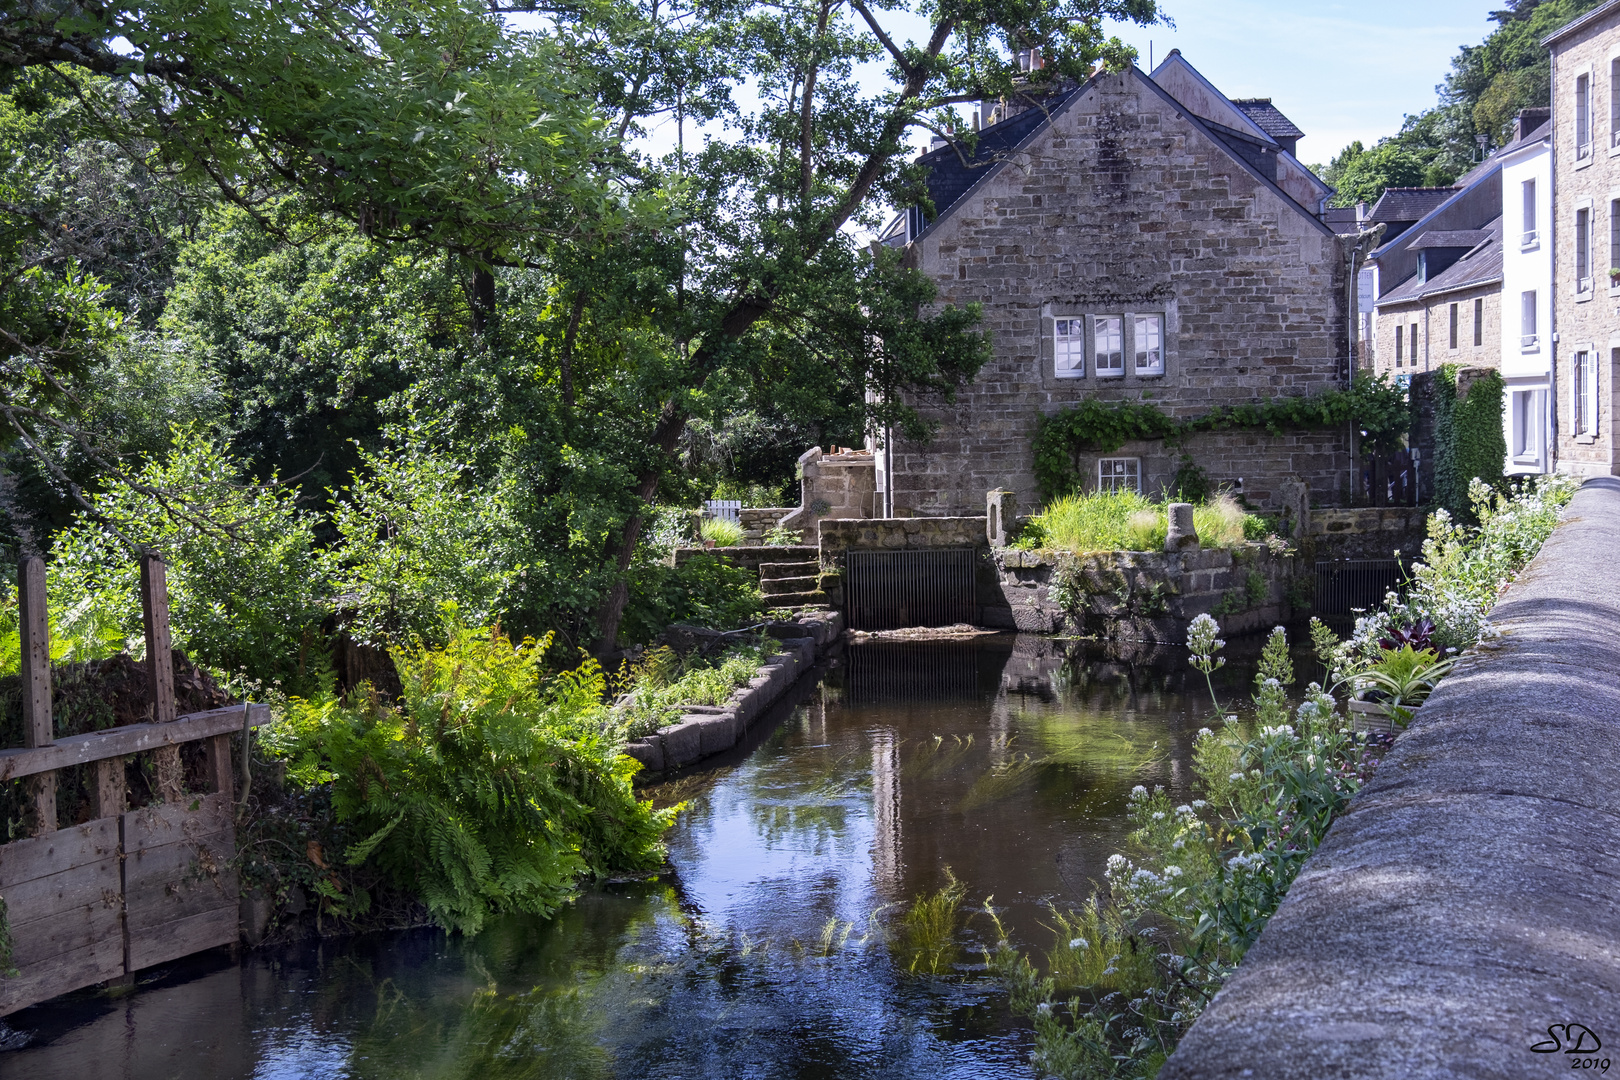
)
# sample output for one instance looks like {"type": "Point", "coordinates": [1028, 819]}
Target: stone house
{"type": "Point", "coordinates": [1141, 238]}
{"type": "Point", "coordinates": [1462, 277]}
{"type": "Point", "coordinates": [1585, 235]}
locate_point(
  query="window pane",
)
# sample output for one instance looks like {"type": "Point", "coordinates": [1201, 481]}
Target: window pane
{"type": "Point", "coordinates": [1479, 322]}
{"type": "Point", "coordinates": [1529, 211]}
{"type": "Point", "coordinates": [1119, 474]}
{"type": "Point", "coordinates": [1527, 319]}
{"type": "Point", "coordinates": [1149, 344]}
{"type": "Point", "coordinates": [1453, 316]}
{"type": "Point", "coordinates": [1108, 344]}
{"type": "Point", "coordinates": [1583, 248]}
{"type": "Point", "coordinates": [1069, 349]}
{"type": "Point", "coordinates": [1583, 117]}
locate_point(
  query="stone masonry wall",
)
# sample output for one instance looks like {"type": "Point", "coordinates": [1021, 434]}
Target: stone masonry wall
{"type": "Point", "coordinates": [1123, 206]}
{"type": "Point", "coordinates": [1587, 320]}
{"type": "Point", "coordinates": [1142, 595]}
{"type": "Point", "coordinates": [1369, 532]}
{"type": "Point", "coordinates": [1433, 319]}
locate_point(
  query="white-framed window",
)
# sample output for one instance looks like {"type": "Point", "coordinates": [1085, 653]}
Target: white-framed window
{"type": "Point", "coordinates": [1148, 336]}
{"type": "Point", "coordinates": [1586, 393]}
{"type": "Point", "coordinates": [1414, 345]}
{"type": "Point", "coordinates": [1452, 340]}
{"type": "Point", "coordinates": [1119, 474]}
{"type": "Point", "coordinates": [1479, 321]}
{"type": "Point", "coordinates": [1614, 243]}
{"type": "Point", "coordinates": [1529, 408]}
{"type": "Point", "coordinates": [1614, 101]}
{"type": "Point", "coordinates": [1528, 340]}
{"type": "Point", "coordinates": [1583, 116]}
{"type": "Point", "coordinates": [1583, 249]}
{"type": "Point", "coordinates": [1400, 345]}
{"type": "Point", "coordinates": [1108, 344]}
{"type": "Point", "coordinates": [1069, 348]}
{"type": "Point", "coordinates": [1531, 236]}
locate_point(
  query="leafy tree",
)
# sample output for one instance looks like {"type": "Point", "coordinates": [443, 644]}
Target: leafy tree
{"type": "Point", "coordinates": [1365, 175]}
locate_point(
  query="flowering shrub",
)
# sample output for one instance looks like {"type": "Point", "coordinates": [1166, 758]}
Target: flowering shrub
{"type": "Point", "coordinates": [1202, 877]}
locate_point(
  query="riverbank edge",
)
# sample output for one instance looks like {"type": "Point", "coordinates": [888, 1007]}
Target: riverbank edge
{"type": "Point", "coordinates": [1457, 914]}
{"type": "Point", "coordinates": [706, 730]}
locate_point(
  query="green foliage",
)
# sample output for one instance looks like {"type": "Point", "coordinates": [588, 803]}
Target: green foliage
{"type": "Point", "coordinates": [1366, 173]}
{"type": "Point", "coordinates": [705, 590]}
{"type": "Point", "coordinates": [491, 787]}
{"type": "Point", "coordinates": [1468, 439]}
{"type": "Point", "coordinates": [247, 592]}
{"type": "Point", "coordinates": [1092, 425]}
{"type": "Point", "coordinates": [777, 536]}
{"type": "Point", "coordinates": [1127, 521]}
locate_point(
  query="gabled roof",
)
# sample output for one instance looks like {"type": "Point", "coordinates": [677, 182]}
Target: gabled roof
{"type": "Point", "coordinates": [1268, 118]}
{"type": "Point", "coordinates": [950, 177]}
{"type": "Point", "coordinates": [1576, 25]}
{"type": "Point", "coordinates": [1408, 204]}
{"type": "Point", "coordinates": [1480, 266]}
{"type": "Point", "coordinates": [950, 180]}
{"type": "Point", "coordinates": [1450, 238]}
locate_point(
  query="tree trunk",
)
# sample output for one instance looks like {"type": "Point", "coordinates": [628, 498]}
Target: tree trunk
{"type": "Point", "coordinates": [671, 424]}
{"type": "Point", "coordinates": [483, 300]}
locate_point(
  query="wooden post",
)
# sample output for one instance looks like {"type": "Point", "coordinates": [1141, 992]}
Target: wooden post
{"type": "Point", "coordinates": [36, 685]}
{"type": "Point", "coordinates": [110, 788]}
{"type": "Point", "coordinates": [217, 762]}
{"type": "Point", "coordinates": [160, 670]}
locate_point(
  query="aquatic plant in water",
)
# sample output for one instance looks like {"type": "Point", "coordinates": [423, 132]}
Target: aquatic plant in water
{"type": "Point", "coordinates": [926, 937]}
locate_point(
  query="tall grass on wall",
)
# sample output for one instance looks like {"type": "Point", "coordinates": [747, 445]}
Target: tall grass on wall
{"type": "Point", "coordinates": [1468, 439]}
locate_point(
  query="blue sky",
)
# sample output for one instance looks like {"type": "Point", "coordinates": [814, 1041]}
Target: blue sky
{"type": "Point", "coordinates": [1340, 71]}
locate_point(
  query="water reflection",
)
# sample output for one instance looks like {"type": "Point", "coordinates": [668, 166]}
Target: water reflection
{"type": "Point", "coordinates": [767, 951]}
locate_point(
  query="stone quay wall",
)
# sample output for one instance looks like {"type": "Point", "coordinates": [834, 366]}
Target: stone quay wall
{"type": "Point", "coordinates": [1367, 532]}
{"type": "Point", "coordinates": [1140, 595]}
{"type": "Point", "coordinates": [1466, 900]}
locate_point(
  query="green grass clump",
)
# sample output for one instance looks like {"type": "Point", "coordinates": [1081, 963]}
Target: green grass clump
{"type": "Point", "coordinates": [660, 683]}
{"type": "Point", "coordinates": [723, 532]}
{"type": "Point", "coordinates": [1096, 950]}
{"type": "Point", "coordinates": [1128, 521]}
{"type": "Point", "coordinates": [927, 939]}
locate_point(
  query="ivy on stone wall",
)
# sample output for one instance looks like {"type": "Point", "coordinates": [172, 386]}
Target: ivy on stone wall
{"type": "Point", "coordinates": [1468, 439]}
{"type": "Point", "coordinates": [1374, 404]}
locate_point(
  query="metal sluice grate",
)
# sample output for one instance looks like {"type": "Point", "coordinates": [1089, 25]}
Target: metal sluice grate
{"type": "Point", "coordinates": [1344, 585]}
{"type": "Point", "coordinates": [887, 590]}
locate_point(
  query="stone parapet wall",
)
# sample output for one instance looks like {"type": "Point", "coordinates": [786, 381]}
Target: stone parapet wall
{"type": "Point", "coordinates": [1366, 532]}
{"type": "Point", "coordinates": [1146, 595]}
{"type": "Point", "coordinates": [839, 535]}
{"type": "Point", "coordinates": [749, 556]}
{"type": "Point", "coordinates": [1465, 900]}
{"type": "Point", "coordinates": [757, 521]}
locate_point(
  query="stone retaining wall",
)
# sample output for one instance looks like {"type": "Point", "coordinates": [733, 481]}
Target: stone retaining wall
{"type": "Point", "coordinates": [839, 535]}
{"type": "Point", "coordinates": [749, 556]}
{"type": "Point", "coordinates": [706, 730]}
{"type": "Point", "coordinates": [1367, 532]}
{"type": "Point", "coordinates": [1144, 595]}
{"type": "Point", "coordinates": [1467, 900]}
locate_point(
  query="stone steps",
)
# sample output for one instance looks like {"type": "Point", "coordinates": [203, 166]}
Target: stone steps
{"type": "Point", "coordinates": [782, 586]}
{"type": "Point", "coordinates": [811, 598]}
{"type": "Point", "coordinates": [805, 568]}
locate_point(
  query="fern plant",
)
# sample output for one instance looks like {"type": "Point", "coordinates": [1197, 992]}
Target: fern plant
{"type": "Point", "coordinates": [490, 787]}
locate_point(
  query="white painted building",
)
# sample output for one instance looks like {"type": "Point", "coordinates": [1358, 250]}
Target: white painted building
{"type": "Point", "coordinates": [1527, 296]}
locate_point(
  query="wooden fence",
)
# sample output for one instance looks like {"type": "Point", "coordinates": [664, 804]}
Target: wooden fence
{"type": "Point", "coordinates": [129, 888]}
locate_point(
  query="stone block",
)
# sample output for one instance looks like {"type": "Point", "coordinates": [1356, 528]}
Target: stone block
{"type": "Point", "coordinates": [682, 742]}
{"type": "Point", "coordinates": [649, 751]}
{"type": "Point", "coordinates": [717, 734]}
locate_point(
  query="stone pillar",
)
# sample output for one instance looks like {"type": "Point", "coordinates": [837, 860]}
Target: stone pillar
{"type": "Point", "coordinates": [1183, 534]}
{"type": "Point", "coordinates": [1000, 512]}
{"type": "Point", "coordinates": [1295, 496]}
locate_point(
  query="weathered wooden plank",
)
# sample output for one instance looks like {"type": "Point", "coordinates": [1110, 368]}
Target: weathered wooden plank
{"type": "Point", "coordinates": [165, 883]}
{"type": "Point", "coordinates": [182, 937]}
{"type": "Point", "coordinates": [41, 803]}
{"type": "Point", "coordinates": [159, 658]}
{"type": "Point", "coordinates": [83, 967]}
{"type": "Point", "coordinates": [154, 826]}
{"type": "Point", "coordinates": [131, 739]}
{"type": "Point", "coordinates": [110, 790]}
{"type": "Point", "coordinates": [42, 856]}
{"type": "Point", "coordinates": [36, 653]}
{"type": "Point", "coordinates": [41, 897]}
{"type": "Point", "coordinates": [42, 940]}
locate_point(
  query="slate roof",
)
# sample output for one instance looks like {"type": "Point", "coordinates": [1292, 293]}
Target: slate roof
{"type": "Point", "coordinates": [949, 177]}
{"type": "Point", "coordinates": [1408, 203]}
{"type": "Point", "coordinates": [1450, 238]}
{"type": "Point", "coordinates": [1267, 117]}
{"type": "Point", "coordinates": [1480, 266]}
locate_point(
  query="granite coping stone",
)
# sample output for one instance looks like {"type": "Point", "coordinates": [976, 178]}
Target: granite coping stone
{"type": "Point", "coordinates": [1469, 897]}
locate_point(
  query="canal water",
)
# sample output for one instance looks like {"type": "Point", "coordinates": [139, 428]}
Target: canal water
{"type": "Point", "coordinates": [771, 948]}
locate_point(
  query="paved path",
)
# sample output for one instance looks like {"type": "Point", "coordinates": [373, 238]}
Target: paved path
{"type": "Point", "coordinates": [1470, 897]}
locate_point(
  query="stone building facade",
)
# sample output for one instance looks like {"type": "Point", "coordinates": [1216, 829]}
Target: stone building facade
{"type": "Point", "coordinates": [1138, 243]}
{"type": "Point", "coordinates": [1586, 239]}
